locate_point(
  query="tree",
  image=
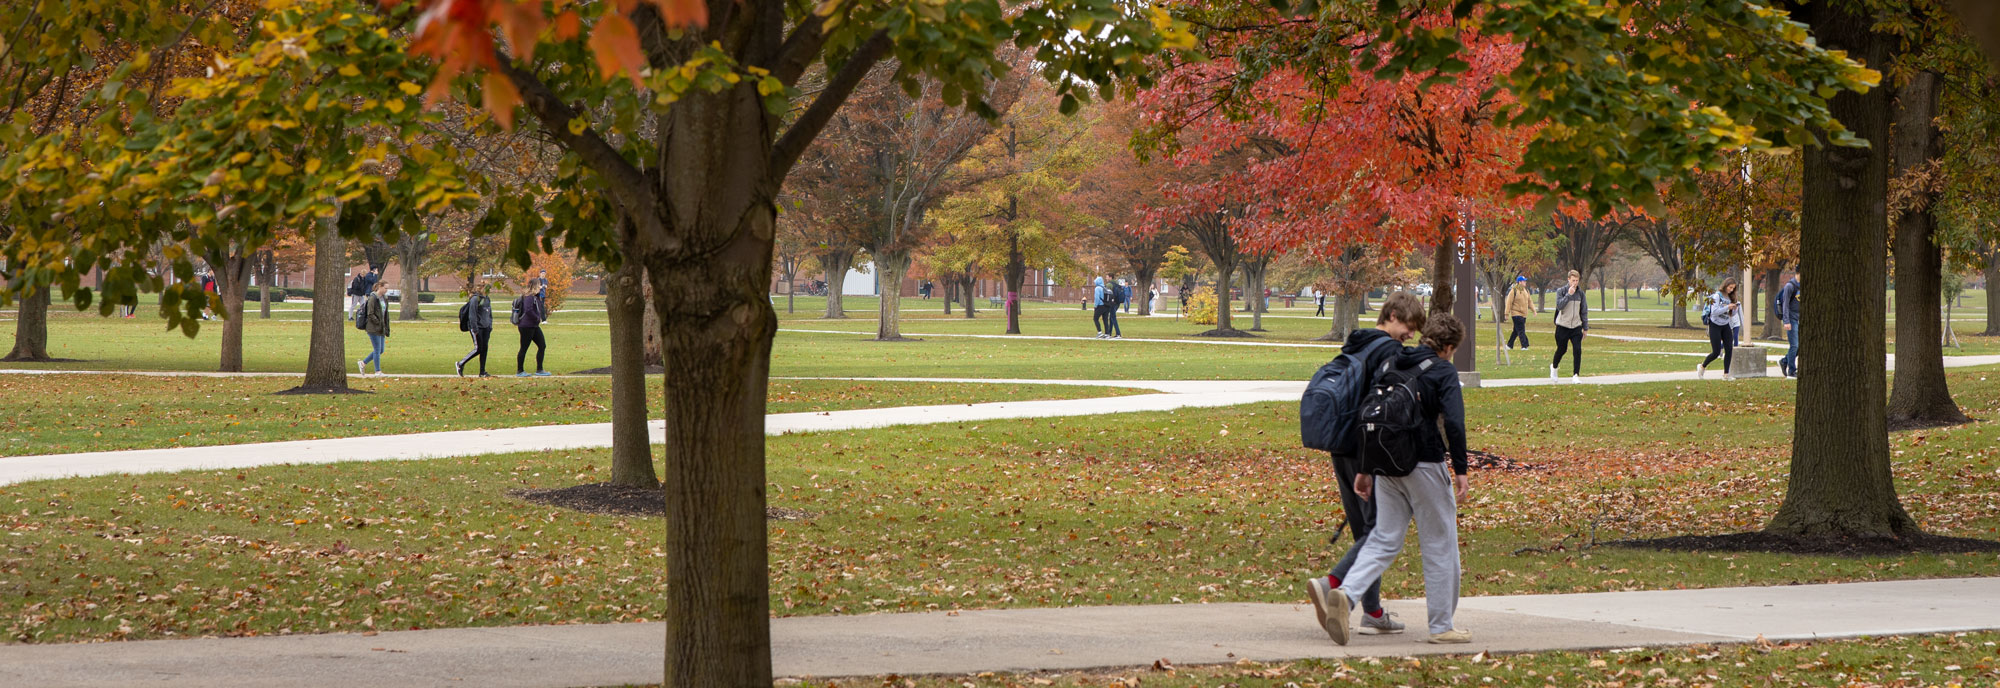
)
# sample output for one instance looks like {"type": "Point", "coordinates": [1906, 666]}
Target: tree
{"type": "Point", "coordinates": [290, 252]}
{"type": "Point", "coordinates": [1664, 242]}
{"type": "Point", "coordinates": [1014, 210]}
{"type": "Point", "coordinates": [1921, 393]}
{"type": "Point", "coordinates": [230, 266]}
{"type": "Point", "coordinates": [699, 202]}
{"type": "Point", "coordinates": [1582, 243]}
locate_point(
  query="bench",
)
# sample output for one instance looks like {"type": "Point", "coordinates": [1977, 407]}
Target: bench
{"type": "Point", "coordinates": [993, 301]}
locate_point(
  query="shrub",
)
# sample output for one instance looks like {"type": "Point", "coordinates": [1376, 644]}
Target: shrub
{"type": "Point", "coordinates": [306, 294]}
{"type": "Point", "coordinates": [1201, 306]}
{"type": "Point", "coordinates": [256, 295]}
{"type": "Point", "coordinates": [427, 297]}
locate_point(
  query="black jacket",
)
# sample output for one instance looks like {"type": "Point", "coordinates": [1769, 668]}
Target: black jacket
{"type": "Point", "coordinates": [1360, 339]}
{"type": "Point", "coordinates": [481, 312]}
{"type": "Point", "coordinates": [1443, 399]}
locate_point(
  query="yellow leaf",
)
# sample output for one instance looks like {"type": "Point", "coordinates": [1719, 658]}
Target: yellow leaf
{"type": "Point", "coordinates": [312, 102]}
{"type": "Point", "coordinates": [240, 158]}
{"type": "Point", "coordinates": [313, 165]}
{"type": "Point", "coordinates": [395, 106]}
{"type": "Point", "coordinates": [410, 88]}
{"type": "Point", "coordinates": [577, 125]}
{"type": "Point", "coordinates": [350, 71]}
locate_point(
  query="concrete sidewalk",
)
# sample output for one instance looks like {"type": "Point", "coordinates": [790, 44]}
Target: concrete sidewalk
{"type": "Point", "coordinates": [591, 435]}
{"type": "Point", "coordinates": [1016, 639]}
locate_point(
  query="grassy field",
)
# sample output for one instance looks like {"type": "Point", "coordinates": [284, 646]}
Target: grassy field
{"type": "Point", "coordinates": [54, 414]}
{"type": "Point", "coordinates": [1954, 659]}
{"type": "Point", "coordinates": [1191, 506]}
{"type": "Point", "coordinates": [809, 346]}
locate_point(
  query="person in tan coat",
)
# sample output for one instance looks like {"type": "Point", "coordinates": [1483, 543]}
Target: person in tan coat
{"type": "Point", "coordinates": [1519, 308]}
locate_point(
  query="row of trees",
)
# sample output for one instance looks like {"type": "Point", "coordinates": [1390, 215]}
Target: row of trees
{"type": "Point", "coordinates": [675, 124]}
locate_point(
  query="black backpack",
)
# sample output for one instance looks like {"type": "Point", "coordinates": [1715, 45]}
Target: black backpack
{"type": "Point", "coordinates": [465, 316]}
{"type": "Point", "coordinates": [354, 287]}
{"type": "Point", "coordinates": [361, 316]}
{"type": "Point", "coordinates": [1391, 421]}
{"type": "Point", "coordinates": [515, 318]}
{"type": "Point", "coordinates": [1327, 411]}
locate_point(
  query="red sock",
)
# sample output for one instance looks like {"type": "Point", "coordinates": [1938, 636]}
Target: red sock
{"type": "Point", "coordinates": [1335, 580]}
{"type": "Point", "coordinates": [1375, 614]}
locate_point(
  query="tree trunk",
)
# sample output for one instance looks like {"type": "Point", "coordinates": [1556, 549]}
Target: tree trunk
{"type": "Point", "coordinates": [1992, 293]}
{"type": "Point", "coordinates": [326, 360]}
{"type": "Point", "coordinates": [950, 292]}
{"type": "Point", "coordinates": [1346, 310]}
{"type": "Point", "coordinates": [1015, 274]}
{"type": "Point", "coordinates": [717, 325]}
{"type": "Point", "coordinates": [1225, 280]}
{"type": "Point", "coordinates": [631, 443]}
{"type": "Point", "coordinates": [1680, 316]}
{"type": "Point", "coordinates": [267, 272]}
{"type": "Point", "coordinates": [31, 329]}
{"type": "Point", "coordinates": [1920, 393]}
{"type": "Point", "coordinates": [965, 289]}
{"type": "Point", "coordinates": [1840, 483]}
{"type": "Point", "coordinates": [1443, 274]}
{"type": "Point", "coordinates": [1773, 328]}
{"type": "Point", "coordinates": [232, 276]}
{"type": "Point", "coordinates": [410, 253]}
{"type": "Point", "coordinates": [1253, 291]}
{"type": "Point", "coordinates": [837, 265]}
{"type": "Point", "coordinates": [890, 266]}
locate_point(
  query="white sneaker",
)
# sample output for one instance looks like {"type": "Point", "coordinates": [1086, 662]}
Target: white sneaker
{"type": "Point", "coordinates": [361, 367]}
{"type": "Point", "coordinates": [1452, 637]}
{"type": "Point", "coordinates": [1700, 371]}
{"type": "Point", "coordinates": [1576, 379]}
{"type": "Point", "coordinates": [1384, 625]}
{"type": "Point", "coordinates": [1321, 592]}
{"type": "Point", "coordinates": [1552, 374]}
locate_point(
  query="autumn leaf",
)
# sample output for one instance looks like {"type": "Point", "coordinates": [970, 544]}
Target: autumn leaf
{"type": "Point", "coordinates": [615, 43]}
{"type": "Point", "coordinates": [500, 99]}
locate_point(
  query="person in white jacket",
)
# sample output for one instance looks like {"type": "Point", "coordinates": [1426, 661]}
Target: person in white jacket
{"type": "Point", "coordinates": [1724, 316]}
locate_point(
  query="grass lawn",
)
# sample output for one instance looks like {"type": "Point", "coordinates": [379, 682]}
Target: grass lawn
{"type": "Point", "coordinates": [1191, 506]}
{"type": "Point", "coordinates": [54, 414]}
{"type": "Point", "coordinates": [811, 347]}
{"type": "Point", "coordinates": [1956, 659]}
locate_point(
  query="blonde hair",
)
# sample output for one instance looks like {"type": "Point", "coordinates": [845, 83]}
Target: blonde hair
{"type": "Point", "coordinates": [1575, 275]}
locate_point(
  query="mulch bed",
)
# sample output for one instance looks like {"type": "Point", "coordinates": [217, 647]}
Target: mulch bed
{"type": "Point", "coordinates": [1493, 462]}
{"type": "Point", "coordinates": [1231, 332]}
{"type": "Point", "coordinates": [1781, 544]}
{"type": "Point", "coordinates": [1913, 424]}
{"type": "Point", "coordinates": [619, 500]}
{"type": "Point", "coordinates": [321, 390]}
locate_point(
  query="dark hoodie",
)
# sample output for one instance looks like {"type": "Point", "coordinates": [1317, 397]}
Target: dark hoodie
{"type": "Point", "coordinates": [1442, 398]}
{"type": "Point", "coordinates": [1360, 339]}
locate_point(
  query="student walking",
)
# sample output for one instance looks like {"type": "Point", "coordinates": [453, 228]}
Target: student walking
{"type": "Point", "coordinates": [1401, 317]}
{"type": "Point", "coordinates": [359, 289]}
{"type": "Point", "coordinates": [1724, 316]}
{"type": "Point", "coordinates": [1428, 494]}
{"type": "Point", "coordinates": [1120, 297]}
{"type": "Point", "coordinates": [476, 318]}
{"type": "Point", "coordinates": [374, 319]}
{"type": "Point", "coordinates": [1519, 307]}
{"type": "Point", "coordinates": [1787, 309]}
{"type": "Point", "coordinates": [1100, 310]}
{"type": "Point", "coordinates": [1321, 297]}
{"type": "Point", "coordinates": [1572, 320]}
{"type": "Point", "coordinates": [529, 314]}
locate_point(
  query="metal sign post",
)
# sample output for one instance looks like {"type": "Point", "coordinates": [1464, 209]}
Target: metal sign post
{"type": "Point", "coordinates": [1466, 307]}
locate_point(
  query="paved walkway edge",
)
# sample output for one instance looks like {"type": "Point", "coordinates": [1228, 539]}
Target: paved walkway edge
{"type": "Point", "coordinates": [1012, 640]}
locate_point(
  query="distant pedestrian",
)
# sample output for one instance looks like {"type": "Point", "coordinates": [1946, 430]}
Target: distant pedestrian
{"type": "Point", "coordinates": [1322, 305]}
{"type": "Point", "coordinates": [542, 293]}
{"type": "Point", "coordinates": [1787, 308]}
{"type": "Point", "coordinates": [1572, 320]}
{"type": "Point", "coordinates": [1724, 316]}
{"type": "Point", "coordinates": [476, 319]}
{"type": "Point", "coordinates": [1519, 307]}
{"type": "Point", "coordinates": [1124, 296]}
{"type": "Point", "coordinates": [214, 300]}
{"type": "Point", "coordinates": [1100, 304]}
{"type": "Point", "coordinates": [360, 288]}
{"type": "Point", "coordinates": [374, 320]}
{"type": "Point", "coordinates": [1121, 296]}
{"type": "Point", "coordinates": [1427, 494]}
{"type": "Point", "coordinates": [528, 317]}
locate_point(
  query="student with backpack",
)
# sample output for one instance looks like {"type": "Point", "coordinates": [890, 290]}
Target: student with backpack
{"type": "Point", "coordinates": [359, 289]}
{"type": "Point", "coordinates": [1329, 423]}
{"type": "Point", "coordinates": [373, 318]}
{"type": "Point", "coordinates": [476, 318]}
{"type": "Point", "coordinates": [528, 316]}
{"type": "Point", "coordinates": [1403, 471]}
{"type": "Point", "coordinates": [1723, 315]}
{"type": "Point", "coordinates": [1100, 309]}
{"type": "Point", "coordinates": [1786, 306]}
{"type": "Point", "coordinates": [1120, 295]}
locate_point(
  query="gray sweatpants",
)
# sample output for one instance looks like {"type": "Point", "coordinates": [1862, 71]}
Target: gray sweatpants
{"type": "Point", "coordinates": [1424, 496]}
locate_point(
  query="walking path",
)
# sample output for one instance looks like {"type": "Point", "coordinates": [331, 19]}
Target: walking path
{"type": "Point", "coordinates": [1175, 394]}
{"type": "Point", "coordinates": [1015, 640]}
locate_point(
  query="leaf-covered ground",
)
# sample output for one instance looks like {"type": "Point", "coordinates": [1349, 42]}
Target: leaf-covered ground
{"type": "Point", "coordinates": [1199, 505]}
{"type": "Point", "coordinates": [54, 414]}
{"type": "Point", "coordinates": [1956, 660]}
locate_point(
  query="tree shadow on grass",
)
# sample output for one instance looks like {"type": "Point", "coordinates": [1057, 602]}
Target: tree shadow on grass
{"type": "Point", "coordinates": [320, 390]}
{"type": "Point", "coordinates": [620, 500]}
{"type": "Point", "coordinates": [1921, 543]}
